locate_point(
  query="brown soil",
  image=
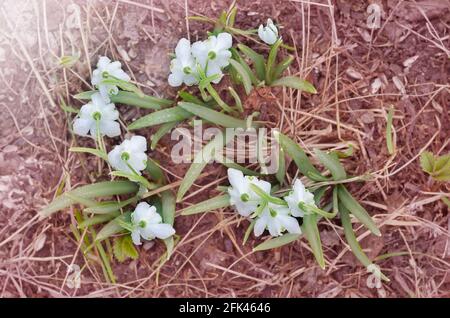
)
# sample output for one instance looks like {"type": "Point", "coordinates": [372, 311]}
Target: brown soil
{"type": "Point", "coordinates": [210, 260]}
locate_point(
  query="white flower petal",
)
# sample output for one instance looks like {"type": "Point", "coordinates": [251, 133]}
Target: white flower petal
{"type": "Point", "coordinates": [176, 79]}
{"type": "Point", "coordinates": [81, 126]}
{"type": "Point", "coordinates": [110, 128]}
{"type": "Point", "coordinates": [290, 224]}
{"type": "Point", "coordinates": [260, 226]}
{"type": "Point", "coordinates": [161, 231]}
{"type": "Point", "coordinates": [136, 236]}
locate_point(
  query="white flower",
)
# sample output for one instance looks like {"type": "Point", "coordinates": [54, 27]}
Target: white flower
{"type": "Point", "coordinates": [299, 194]}
{"type": "Point", "coordinates": [148, 224]}
{"type": "Point", "coordinates": [183, 67]}
{"type": "Point", "coordinates": [130, 155]}
{"type": "Point", "coordinates": [213, 54]}
{"type": "Point", "coordinates": [276, 219]}
{"type": "Point", "coordinates": [98, 112]}
{"type": "Point", "coordinates": [241, 196]}
{"type": "Point", "coordinates": [269, 33]}
{"type": "Point", "coordinates": [104, 68]}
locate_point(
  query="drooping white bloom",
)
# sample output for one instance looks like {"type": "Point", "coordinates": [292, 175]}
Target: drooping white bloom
{"type": "Point", "coordinates": [130, 155]}
{"type": "Point", "coordinates": [213, 54]}
{"type": "Point", "coordinates": [299, 194]}
{"type": "Point", "coordinates": [268, 33]}
{"type": "Point", "coordinates": [104, 68]}
{"type": "Point", "coordinates": [183, 67]}
{"type": "Point", "coordinates": [241, 195]}
{"type": "Point", "coordinates": [98, 112]}
{"type": "Point", "coordinates": [147, 223]}
{"type": "Point", "coordinates": [276, 219]}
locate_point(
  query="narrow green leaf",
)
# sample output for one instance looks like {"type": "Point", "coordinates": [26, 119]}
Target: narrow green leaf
{"type": "Point", "coordinates": [280, 68]}
{"type": "Point", "coordinates": [135, 178]}
{"type": "Point", "coordinates": [265, 196]}
{"type": "Point", "coordinates": [113, 227]}
{"type": "Point", "coordinates": [248, 231]}
{"type": "Point", "coordinates": [311, 231]}
{"type": "Point", "coordinates": [155, 171]}
{"type": "Point", "coordinates": [296, 83]}
{"type": "Point", "coordinates": [170, 244]}
{"type": "Point", "coordinates": [331, 163]}
{"type": "Point", "coordinates": [352, 241]}
{"type": "Point", "coordinates": [66, 108]}
{"type": "Point", "coordinates": [100, 189]}
{"type": "Point", "coordinates": [236, 166]}
{"type": "Point", "coordinates": [164, 129]}
{"type": "Point", "coordinates": [271, 61]}
{"type": "Point", "coordinates": [124, 248]}
{"type": "Point", "coordinates": [389, 138]}
{"type": "Point", "coordinates": [109, 206]}
{"type": "Point", "coordinates": [160, 117]}
{"type": "Point", "coordinates": [212, 115]}
{"type": "Point", "coordinates": [128, 98]}
{"type": "Point", "coordinates": [300, 158]}
{"type": "Point", "coordinates": [237, 99]}
{"type": "Point", "coordinates": [98, 219]}
{"type": "Point", "coordinates": [277, 242]}
{"type": "Point", "coordinates": [187, 97]}
{"type": "Point", "coordinates": [92, 151]}
{"type": "Point", "coordinates": [245, 77]}
{"type": "Point", "coordinates": [168, 207]}
{"type": "Point", "coordinates": [208, 206]}
{"type": "Point", "coordinates": [281, 171]}
{"type": "Point", "coordinates": [257, 59]}
{"type": "Point", "coordinates": [237, 57]}
{"type": "Point", "coordinates": [126, 86]}
{"type": "Point", "coordinates": [356, 209]}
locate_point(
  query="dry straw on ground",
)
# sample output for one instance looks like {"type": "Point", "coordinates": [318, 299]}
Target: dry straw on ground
{"type": "Point", "coordinates": [358, 73]}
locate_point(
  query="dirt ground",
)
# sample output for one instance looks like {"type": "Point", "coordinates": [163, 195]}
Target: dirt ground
{"type": "Point", "coordinates": [359, 74]}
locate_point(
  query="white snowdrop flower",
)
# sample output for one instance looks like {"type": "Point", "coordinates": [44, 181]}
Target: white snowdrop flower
{"type": "Point", "coordinates": [183, 67]}
{"type": "Point", "coordinates": [276, 219]}
{"type": "Point", "coordinates": [104, 68]}
{"type": "Point", "coordinates": [130, 155]}
{"type": "Point", "coordinates": [268, 33]}
{"type": "Point", "coordinates": [98, 112]}
{"type": "Point", "coordinates": [147, 223]}
{"type": "Point", "coordinates": [241, 196]}
{"type": "Point", "coordinates": [213, 54]}
{"type": "Point", "coordinates": [299, 194]}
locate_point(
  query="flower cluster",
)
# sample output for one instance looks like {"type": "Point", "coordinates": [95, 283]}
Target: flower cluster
{"type": "Point", "coordinates": [202, 58]}
{"type": "Point", "coordinates": [252, 198]}
{"type": "Point", "coordinates": [98, 118]}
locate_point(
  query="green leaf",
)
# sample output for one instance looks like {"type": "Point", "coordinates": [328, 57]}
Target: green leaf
{"type": "Point", "coordinates": [93, 151]}
{"type": "Point", "coordinates": [236, 166]}
{"type": "Point", "coordinates": [300, 158]}
{"type": "Point", "coordinates": [98, 219]}
{"type": "Point", "coordinates": [133, 99]}
{"type": "Point", "coordinates": [237, 57]}
{"type": "Point", "coordinates": [271, 61]}
{"type": "Point", "coordinates": [277, 242]}
{"type": "Point", "coordinates": [281, 171]}
{"type": "Point", "coordinates": [331, 163]}
{"type": "Point", "coordinates": [245, 77]}
{"type": "Point", "coordinates": [187, 97]}
{"type": "Point", "coordinates": [237, 99]}
{"type": "Point", "coordinates": [109, 206]}
{"type": "Point", "coordinates": [155, 171]}
{"type": "Point", "coordinates": [296, 83]}
{"type": "Point", "coordinates": [100, 189]}
{"type": "Point", "coordinates": [257, 59]}
{"type": "Point", "coordinates": [248, 231]}
{"type": "Point", "coordinates": [123, 248]}
{"type": "Point", "coordinates": [427, 161]}
{"type": "Point", "coordinates": [389, 140]}
{"type": "Point", "coordinates": [212, 115]}
{"type": "Point", "coordinates": [135, 178]}
{"type": "Point", "coordinates": [125, 85]}
{"type": "Point", "coordinates": [201, 159]}
{"type": "Point", "coordinates": [170, 244]}
{"type": "Point", "coordinates": [113, 227]}
{"type": "Point", "coordinates": [352, 241]}
{"type": "Point", "coordinates": [168, 207]}
{"type": "Point", "coordinates": [265, 196]}
{"type": "Point", "coordinates": [280, 68]}
{"type": "Point", "coordinates": [311, 231]}
{"type": "Point", "coordinates": [208, 206]}
{"type": "Point", "coordinates": [67, 109]}
{"type": "Point", "coordinates": [160, 117]}
{"type": "Point", "coordinates": [164, 129]}
{"type": "Point", "coordinates": [356, 209]}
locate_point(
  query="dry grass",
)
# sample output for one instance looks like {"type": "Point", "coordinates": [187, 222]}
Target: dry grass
{"type": "Point", "coordinates": [210, 260]}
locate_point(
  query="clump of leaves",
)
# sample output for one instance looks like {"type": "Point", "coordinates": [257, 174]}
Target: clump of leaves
{"type": "Point", "coordinates": [438, 167]}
